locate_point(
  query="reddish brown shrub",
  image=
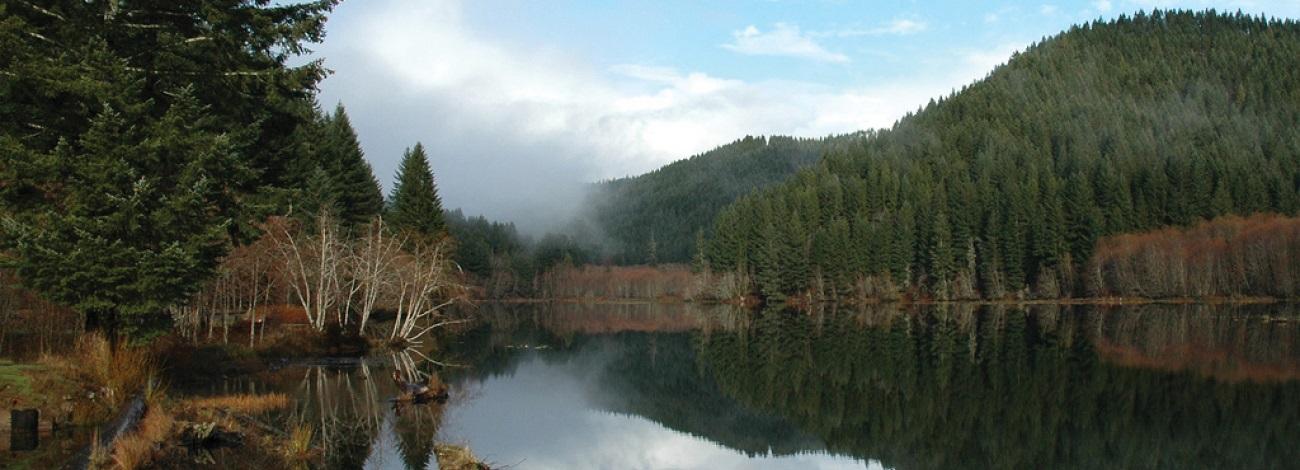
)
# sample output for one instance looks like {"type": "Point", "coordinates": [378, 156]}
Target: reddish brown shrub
{"type": "Point", "coordinates": [1229, 256]}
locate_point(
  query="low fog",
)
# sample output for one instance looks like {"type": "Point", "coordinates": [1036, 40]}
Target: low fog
{"type": "Point", "coordinates": [517, 132]}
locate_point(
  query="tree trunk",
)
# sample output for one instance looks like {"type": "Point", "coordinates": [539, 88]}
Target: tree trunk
{"type": "Point", "coordinates": [102, 322]}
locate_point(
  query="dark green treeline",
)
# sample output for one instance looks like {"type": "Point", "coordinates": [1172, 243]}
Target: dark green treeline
{"type": "Point", "coordinates": [1002, 189]}
{"type": "Point", "coordinates": [656, 217]}
{"type": "Point", "coordinates": [1009, 388]}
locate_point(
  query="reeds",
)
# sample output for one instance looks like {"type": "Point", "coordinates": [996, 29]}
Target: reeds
{"type": "Point", "coordinates": [457, 458]}
{"type": "Point", "coordinates": [139, 448]}
{"type": "Point", "coordinates": [298, 448]}
{"type": "Point", "coordinates": [244, 403]}
{"type": "Point", "coordinates": [116, 370]}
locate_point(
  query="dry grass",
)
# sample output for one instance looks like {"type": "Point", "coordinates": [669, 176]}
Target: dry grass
{"type": "Point", "coordinates": [243, 403]}
{"type": "Point", "coordinates": [457, 458]}
{"type": "Point", "coordinates": [139, 448]}
{"type": "Point", "coordinates": [154, 392]}
{"type": "Point", "coordinates": [116, 371]}
{"type": "Point", "coordinates": [298, 449]}
{"type": "Point", "coordinates": [99, 457]}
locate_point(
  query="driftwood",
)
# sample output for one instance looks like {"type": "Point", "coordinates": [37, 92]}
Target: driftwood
{"type": "Point", "coordinates": [108, 434]}
{"type": "Point", "coordinates": [434, 390]}
{"type": "Point", "coordinates": [210, 436]}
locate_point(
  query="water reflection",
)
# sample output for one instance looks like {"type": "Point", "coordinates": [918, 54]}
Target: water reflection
{"type": "Point", "coordinates": [643, 386]}
{"type": "Point", "coordinates": [933, 387]}
{"type": "Point", "coordinates": [1017, 388]}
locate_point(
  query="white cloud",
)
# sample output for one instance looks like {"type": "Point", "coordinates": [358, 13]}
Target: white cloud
{"type": "Point", "coordinates": [1047, 9]}
{"type": "Point", "coordinates": [515, 133]}
{"type": "Point", "coordinates": [783, 40]}
{"type": "Point", "coordinates": [982, 61]}
{"type": "Point", "coordinates": [1102, 6]}
{"type": "Point", "coordinates": [897, 27]}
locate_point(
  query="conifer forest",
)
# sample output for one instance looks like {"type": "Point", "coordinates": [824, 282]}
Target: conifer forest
{"type": "Point", "coordinates": [446, 234]}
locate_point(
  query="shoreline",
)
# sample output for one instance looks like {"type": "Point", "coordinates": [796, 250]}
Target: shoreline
{"type": "Point", "coordinates": [1100, 301]}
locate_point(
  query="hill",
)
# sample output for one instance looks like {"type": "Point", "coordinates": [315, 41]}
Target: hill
{"type": "Point", "coordinates": [657, 216]}
{"type": "Point", "coordinates": [1003, 188]}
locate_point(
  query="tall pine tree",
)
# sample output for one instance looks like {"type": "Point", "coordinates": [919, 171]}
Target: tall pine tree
{"type": "Point", "coordinates": [354, 188]}
{"type": "Point", "coordinates": [415, 204]}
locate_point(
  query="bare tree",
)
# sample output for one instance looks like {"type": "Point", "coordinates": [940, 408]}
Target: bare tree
{"type": "Point", "coordinates": [312, 262]}
{"type": "Point", "coordinates": [370, 269]}
{"type": "Point", "coordinates": [423, 278]}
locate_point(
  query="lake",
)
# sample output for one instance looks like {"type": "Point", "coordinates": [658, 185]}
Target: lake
{"type": "Point", "coordinates": [954, 386]}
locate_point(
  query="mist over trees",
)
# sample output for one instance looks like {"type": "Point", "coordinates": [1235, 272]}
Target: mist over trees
{"type": "Point", "coordinates": [1003, 189]}
{"type": "Point", "coordinates": [656, 217]}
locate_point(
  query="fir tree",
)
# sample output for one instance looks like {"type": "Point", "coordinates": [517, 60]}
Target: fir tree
{"type": "Point", "coordinates": [138, 223]}
{"type": "Point", "coordinates": [134, 139]}
{"type": "Point", "coordinates": [414, 204]}
{"type": "Point", "coordinates": [355, 190]}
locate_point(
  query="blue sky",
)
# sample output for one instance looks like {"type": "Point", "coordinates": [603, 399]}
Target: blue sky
{"type": "Point", "coordinates": [521, 102]}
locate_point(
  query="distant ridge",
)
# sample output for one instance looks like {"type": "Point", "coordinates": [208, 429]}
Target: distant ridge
{"type": "Point", "coordinates": [1002, 189]}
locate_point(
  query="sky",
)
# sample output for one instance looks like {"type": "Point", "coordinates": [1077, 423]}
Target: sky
{"type": "Point", "coordinates": [521, 103]}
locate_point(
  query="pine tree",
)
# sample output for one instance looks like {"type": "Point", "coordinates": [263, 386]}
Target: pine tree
{"type": "Point", "coordinates": [355, 190]}
{"type": "Point", "coordinates": [415, 204]}
{"type": "Point", "coordinates": [700, 262]}
{"type": "Point", "coordinates": [941, 251]}
{"type": "Point", "coordinates": [1083, 218]}
{"type": "Point", "coordinates": [132, 144]}
{"type": "Point", "coordinates": [138, 224]}
{"type": "Point", "coordinates": [652, 251]}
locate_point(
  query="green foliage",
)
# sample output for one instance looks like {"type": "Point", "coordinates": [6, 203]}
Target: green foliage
{"type": "Point", "coordinates": [353, 188]}
{"type": "Point", "coordinates": [133, 136]}
{"type": "Point", "coordinates": [1107, 128]}
{"type": "Point", "coordinates": [675, 202]}
{"type": "Point", "coordinates": [480, 242]}
{"type": "Point", "coordinates": [1043, 388]}
{"type": "Point", "coordinates": [415, 204]}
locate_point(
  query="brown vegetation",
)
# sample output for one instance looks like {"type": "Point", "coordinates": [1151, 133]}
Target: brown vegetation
{"type": "Point", "coordinates": [331, 278]}
{"type": "Point", "coordinates": [299, 452]}
{"type": "Point", "coordinates": [243, 403]}
{"type": "Point", "coordinates": [665, 282]}
{"type": "Point", "coordinates": [1226, 257]}
{"type": "Point", "coordinates": [457, 458]}
{"type": "Point", "coordinates": [30, 325]}
{"type": "Point", "coordinates": [111, 372]}
{"type": "Point", "coordinates": [138, 449]}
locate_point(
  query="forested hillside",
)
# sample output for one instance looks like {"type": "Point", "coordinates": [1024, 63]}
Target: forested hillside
{"type": "Point", "coordinates": [1002, 189]}
{"type": "Point", "coordinates": [657, 217]}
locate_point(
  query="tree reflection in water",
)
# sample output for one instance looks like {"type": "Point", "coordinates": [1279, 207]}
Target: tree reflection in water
{"type": "Point", "coordinates": [1037, 386]}
{"type": "Point", "coordinates": [908, 387]}
{"type": "Point", "coordinates": [355, 411]}
{"type": "Point", "coordinates": [1012, 387]}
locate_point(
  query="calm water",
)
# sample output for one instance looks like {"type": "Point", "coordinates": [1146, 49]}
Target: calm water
{"type": "Point", "coordinates": [627, 387]}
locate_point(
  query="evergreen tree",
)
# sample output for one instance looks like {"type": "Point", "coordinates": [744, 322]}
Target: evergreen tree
{"type": "Point", "coordinates": [355, 190]}
{"type": "Point", "coordinates": [1083, 218]}
{"type": "Point", "coordinates": [137, 227]}
{"type": "Point", "coordinates": [700, 262]}
{"type": "Point", "coordinates": [1018, 173]}
{"type": "Point", "coordinates": [941, 251]}
{"type": "Point", "coordinates": [133, 137]}
{"type": "Point", "coordinates": [414, 204]}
